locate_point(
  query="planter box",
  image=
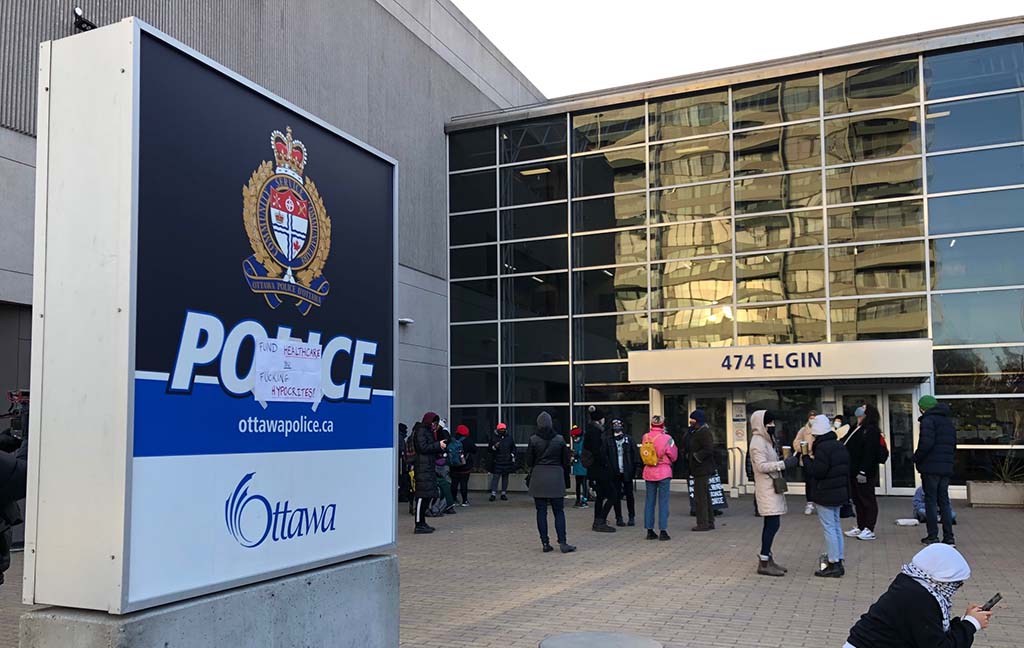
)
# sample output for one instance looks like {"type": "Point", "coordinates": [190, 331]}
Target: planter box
{"type": "Point", "coordinates": [991, 493]}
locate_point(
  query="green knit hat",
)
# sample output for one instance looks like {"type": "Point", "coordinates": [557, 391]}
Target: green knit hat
{"type": "Point", "coordinates": [927, 402]}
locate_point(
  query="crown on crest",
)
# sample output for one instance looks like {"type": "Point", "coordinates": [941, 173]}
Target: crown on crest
{"type": "Point", "coordinates": [289, 154]}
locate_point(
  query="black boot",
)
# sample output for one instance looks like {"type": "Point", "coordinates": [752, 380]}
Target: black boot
{"type": "Point", "coordinates": [566, 547]}
{"type": "Point", "coordinates": [603, 527]}
{"type": "Point", "coordinates": [632, 522]}
{"type": "Point", "coordinates": [833, 570]}
{"type": "Point", "coordinates": [664, 537]}
{"type": "Point", "coordinates": [651, 535]}
{"type": "Point", "coordinates": [547, 548]}
{"type": "Point", "coordinates": [423, 528]}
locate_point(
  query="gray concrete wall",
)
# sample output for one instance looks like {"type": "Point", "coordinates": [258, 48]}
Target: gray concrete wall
{"type": "Point", "coordinates": [15, 350]}
{"type": "Point", "coordinates": [352, 605]}
{"type": "Point", "coordinates": [390, 72]}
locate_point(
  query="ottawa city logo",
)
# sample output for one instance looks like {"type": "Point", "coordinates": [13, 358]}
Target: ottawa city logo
{"type": "Point", "coordinates": [253, 520]}
{"type": "Point", "coordinates": [288, 229]}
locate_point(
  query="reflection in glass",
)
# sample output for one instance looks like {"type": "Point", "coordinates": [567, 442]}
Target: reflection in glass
{"type": "Point", "coordinates": [696, 238]}
{"type": "Point", "coordinates": [534, 256]}
{"type": "Point", "coordinates": [531, 183]}
{"type": "Point", "coordinates": [786, 324]}
{"type": "Point", "coordinates": [776, 193]}
{"type": "Point", "coordinates": [990, 370]}
{"type": "Point", "coordinates": [873, 136]}
{"type": "Point", "coordinates": [989, 317]}
{"type": "Point", "coordinates": [606, 213]}
{"type": "Point", "coordinates": [471, 149]}
{"type": "Point", "coordinates": [690, 203]}
{"type": "Point", "coordinates": [902, 413]}
{"type": "Point", "coordinates": [606, 382]}
{"type": "Point", "coordinates": [474, 344]}
{"type": "Point", "coordinates": [635, 417]}
{"type": "Point", "coordinates": [609, 248]}
{"type": "Point", "coordinates": [690, 115]}
{"type": "Point", "coordinates": [607, 127]}
{"type": "Point", "coordinates": [535, 341]}
{"type": "Point", "coordinates": [789, 230]}
{"type": "Point", "coordinates": [473, 300]}
{"type": "Point", "coordinates": [606, 337]}
{"type": "Point", "coordinates": [781, 100]}
{"type": "Point", "coordinates": [973, 71]}
{"type": "Point", "coordinates": [691, 329]}
{"type": "Point", "coordinates": [876, 269]}
{"type": "Point", "coordinates": [475, 386]}
{"type": "Point", "coordinates": [689, 161]}
{"type": "Point", "coordinates": [610, 290]}
{"type": "Point", "coordinates": [977, 261]}
{"type": "Point", "coordinates": [481, 422]}
{"type": "Point", "coordinates": [472, 228]}
{"type": "Point", "coordinates": [469, 191]}
{"type": "Point", "coordinates": [522, 420]}
{"type": "Point", "coordinates": [681, 284]}
{"type": "Point", "coordinates": [780, 276]}
{"type": "Point", "coordinates": [532, 140]}
{"type": "Point", "coordinates": [875, 85]}
{"type": "Point", "coordinates": [535, 296]}
{"type": "Point", "coordinates": [975, 122]}
{"type": "Point", "coordinates": [975, 170]}
{"type": "Point", "coordinates": [874, 181]}
{"type": "Point", "coordinates": [785, 148]}
{"type": "Point", "coordinates": [528, 222]}
{"type": "Point", "coordinates": [976, 212]}
{"type": "Point", "coordinates": [876, 221]}
{"type": "Point", "coordinates": [611, 172]}
{"type": "Point", "coordinates": [543, 384]}
{"type": "Point", "coordinates": [989, 421]}
{"type": "Point", "coordinates": [479, 261]}
{"type": "Point", "coordinates": [879, 318]}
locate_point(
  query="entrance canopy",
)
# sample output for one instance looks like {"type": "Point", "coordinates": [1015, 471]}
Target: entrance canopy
{"type": "Point", "coordinates": [877, 360]}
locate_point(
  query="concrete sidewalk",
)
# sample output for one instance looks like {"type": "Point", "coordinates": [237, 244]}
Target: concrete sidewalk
{"type": "Point", "coordinates": [481, 579]}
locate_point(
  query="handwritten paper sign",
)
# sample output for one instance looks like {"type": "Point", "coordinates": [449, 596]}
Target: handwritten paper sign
{"type": "Point", "coordinates": [286, 371]}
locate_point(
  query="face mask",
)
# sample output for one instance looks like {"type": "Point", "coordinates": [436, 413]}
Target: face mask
{"type": "Point", "coordinates": [836, 425]}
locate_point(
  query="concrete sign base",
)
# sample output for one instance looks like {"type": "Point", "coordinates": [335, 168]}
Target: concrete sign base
{"type": "Point", "coordinates": [354, 604]}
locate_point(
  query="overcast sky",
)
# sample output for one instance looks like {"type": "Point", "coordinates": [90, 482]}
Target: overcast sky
{"type": "Point", "coordinates": [570, 46]}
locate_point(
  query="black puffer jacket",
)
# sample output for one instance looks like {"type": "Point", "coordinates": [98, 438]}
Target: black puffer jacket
{"type": "Point", "coordinates": [907, 616]}
{"type": "Point", "coordinates": [593, 443]}
{"type": "Point", "coordinates": [503, 453]}
{"type": "Point", "coordinates": [864, 443]}
{"type": "Point", "coordinates": [830, 468]}
{"type": "Point", "coordinates": [936, 447]}
{"type": "Point", "coordinates": [701, 452]}
{"type": "Point", "coordinates": [428, 449]}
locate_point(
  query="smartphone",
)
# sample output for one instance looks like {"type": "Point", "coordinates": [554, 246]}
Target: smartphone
{"type": "Point", "coordinates": [992, 602]}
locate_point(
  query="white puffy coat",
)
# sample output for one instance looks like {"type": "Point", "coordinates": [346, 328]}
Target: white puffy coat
{"type": "Point", "coordinates": [766, 464]}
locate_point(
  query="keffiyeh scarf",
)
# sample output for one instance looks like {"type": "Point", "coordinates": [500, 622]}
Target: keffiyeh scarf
{"type": "Point", "coordinates": [943, 592]}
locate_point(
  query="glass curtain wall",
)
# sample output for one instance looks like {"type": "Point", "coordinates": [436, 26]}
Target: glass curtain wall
{"type": "Point", "coordinates": [878, 201]}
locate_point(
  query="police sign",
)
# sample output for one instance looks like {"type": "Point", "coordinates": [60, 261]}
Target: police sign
{"type": "Point", "coordinates": [215, 277]}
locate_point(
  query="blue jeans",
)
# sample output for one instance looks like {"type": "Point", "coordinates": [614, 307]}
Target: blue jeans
{"type": "Point", "coordinates": [936, 503]}
{"type": "Point", "coordinates": [558, 507]}
{"type": "Point", "coordinates": [657, 491]}
{"type": "Point", "coordinates": [832, 526]}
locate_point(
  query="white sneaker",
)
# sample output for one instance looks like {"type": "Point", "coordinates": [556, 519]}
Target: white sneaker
{"type": "Point", "coordinates": [853, 533]}
{"type": "Point", "coordinates": [866, 534]}
{"type": "Point", "coordinates": [809, 509]}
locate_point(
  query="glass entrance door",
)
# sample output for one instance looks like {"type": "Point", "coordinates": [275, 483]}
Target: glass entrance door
{"type": "Point", "coordinates": [677, 408]}
{"type": "Point", "coordinates": [898, 423]}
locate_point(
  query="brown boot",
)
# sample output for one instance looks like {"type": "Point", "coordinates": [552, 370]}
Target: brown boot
{"type": "Point", "coordinates": [771, 561]}
{"type": "Point", "coordinates": [768, 568]}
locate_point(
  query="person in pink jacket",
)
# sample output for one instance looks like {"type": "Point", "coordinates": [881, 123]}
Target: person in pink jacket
{"type": "Point", "coordinates": [658, 478]}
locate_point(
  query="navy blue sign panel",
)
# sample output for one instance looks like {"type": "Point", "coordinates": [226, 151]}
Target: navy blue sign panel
{"type": "Point", "coordinates": [253, 222]}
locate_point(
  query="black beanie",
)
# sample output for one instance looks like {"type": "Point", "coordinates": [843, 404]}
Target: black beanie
{"type": "Point", "coordinates": [595, 414]}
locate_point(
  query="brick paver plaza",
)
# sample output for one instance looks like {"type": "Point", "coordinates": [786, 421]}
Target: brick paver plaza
{"type": "Point", "coordinates": [481, 579]}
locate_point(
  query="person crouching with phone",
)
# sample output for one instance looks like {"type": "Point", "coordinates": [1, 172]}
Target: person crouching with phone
{"type": "Point", "coordinates": [915, 612]}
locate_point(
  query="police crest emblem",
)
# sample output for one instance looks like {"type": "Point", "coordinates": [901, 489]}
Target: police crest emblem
{"type": "Point", "coordinates": [288, 229]}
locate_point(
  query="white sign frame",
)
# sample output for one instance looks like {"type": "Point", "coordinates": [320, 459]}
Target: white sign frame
{"type": "Point", "coordinates": [78, 508]}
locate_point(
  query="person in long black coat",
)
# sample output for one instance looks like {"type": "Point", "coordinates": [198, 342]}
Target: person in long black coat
{"type": "Point", "coordinates": [599, 470]}
{"type": "Point", "coordinates": [701, 456]}
{"type": "Point", "coordinates": [428, 447]}
{"type": "Point", "coordinates": [547, 457]}
{"type": "Point", "coordinates": [503, 460]}
{"type": "Point", "coordinates": [915, 612]}
{"type": "Point", "coordinates": [622, 477]}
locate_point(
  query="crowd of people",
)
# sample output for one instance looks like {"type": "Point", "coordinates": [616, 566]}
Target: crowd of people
{"type": "Point", "coordinates": [840, 462]}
